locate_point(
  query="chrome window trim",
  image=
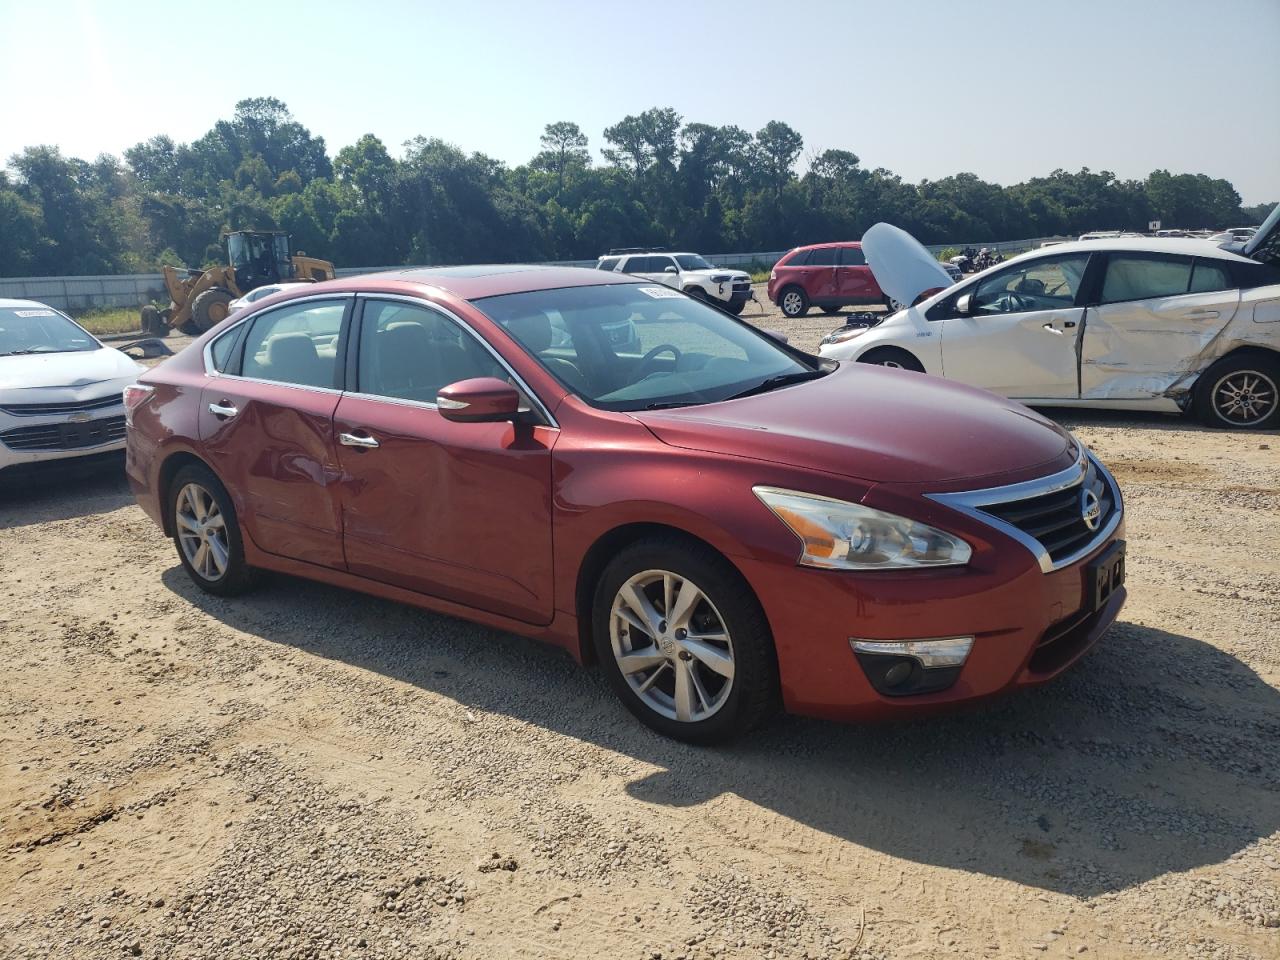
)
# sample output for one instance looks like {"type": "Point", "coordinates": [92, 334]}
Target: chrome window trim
{"type": "Point", "coordinates": [971, 502]}
{"type": "Point", "coordinates": [207, 353]}
{"type": "Point", "coordinates": [467, 329]}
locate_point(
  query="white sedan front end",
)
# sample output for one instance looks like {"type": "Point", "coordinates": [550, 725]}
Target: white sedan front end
{"type": "Point", "coordinates": [61, 391]}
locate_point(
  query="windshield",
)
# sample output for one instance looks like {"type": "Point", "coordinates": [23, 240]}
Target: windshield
{"type": "Point", "coordinates": [638, 347]}
{"type": "Point", "coordinates": [40, 330]}
{"type": "Point", "coordinates": [691, 261]}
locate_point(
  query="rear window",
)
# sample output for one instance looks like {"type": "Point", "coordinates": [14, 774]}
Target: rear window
{"type": "Point", "coordinates": [822, 257]}
{"type": "Point", "coordinates": [1145, 277]}
{"type": "Point", "coordinates": [852, 257]}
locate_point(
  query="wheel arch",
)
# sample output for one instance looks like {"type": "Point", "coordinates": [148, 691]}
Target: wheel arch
{"type": "Point", "coordinates": [597, 557]}
{"type": "Point", "coordinates": [169, 468]}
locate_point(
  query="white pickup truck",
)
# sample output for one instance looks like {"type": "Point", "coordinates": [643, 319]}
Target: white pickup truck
{"type": "Point", "coordinates": [728, 289]}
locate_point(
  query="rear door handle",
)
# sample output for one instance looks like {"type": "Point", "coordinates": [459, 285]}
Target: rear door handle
{"type": "Point", "coordinates": [223, 409]}
{"type": "Point", "coordinates": [352, 440]}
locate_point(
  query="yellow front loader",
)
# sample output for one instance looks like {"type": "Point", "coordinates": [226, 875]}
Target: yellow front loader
{"type": "Point", "coordinates": [199, 300]}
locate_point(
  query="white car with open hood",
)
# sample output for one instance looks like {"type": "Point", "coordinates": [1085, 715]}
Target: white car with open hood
{"type": "Point", "coordinates": [61, 391]}
{"type": "Point", "coordinates": [1123, 323]}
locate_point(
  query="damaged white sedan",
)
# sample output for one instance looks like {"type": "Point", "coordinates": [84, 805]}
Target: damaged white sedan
{"type": "Point", "coordinates": [1125, 323]}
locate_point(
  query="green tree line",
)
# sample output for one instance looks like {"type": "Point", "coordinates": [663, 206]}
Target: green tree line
{"type": "Point", "coordinates": [663, 181]}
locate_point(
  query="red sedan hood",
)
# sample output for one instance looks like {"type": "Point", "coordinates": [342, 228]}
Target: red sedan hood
{"type": "Point", "coordinates": [873, 424]}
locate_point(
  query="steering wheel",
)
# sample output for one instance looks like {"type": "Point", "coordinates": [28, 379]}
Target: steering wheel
{"type": "Point", "coordinates": [1017, 303]}
{"type": "Point", "coordinates": [648, 358]}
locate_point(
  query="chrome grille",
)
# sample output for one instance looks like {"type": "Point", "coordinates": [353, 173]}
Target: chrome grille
{"type": "Point", "coordinates": [54, 409]}
{"type": "Point", "coordinates": [1056, 520]}
{"type": "Point", "coordinates": [1047, 515]}
{"type": "Point", "coordinates": [64, 436]}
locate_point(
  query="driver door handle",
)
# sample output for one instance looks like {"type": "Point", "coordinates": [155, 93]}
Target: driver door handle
{"type": "Point", "coordinates": [223, 410]}
{"type": "Point", "coordinates": [353, 440]}
{"type": "Point", "coordinates": [1054, 330]}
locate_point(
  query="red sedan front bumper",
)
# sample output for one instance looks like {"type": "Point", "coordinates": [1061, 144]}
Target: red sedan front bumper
{"type": "Point", "coordinates": [1028, 627]}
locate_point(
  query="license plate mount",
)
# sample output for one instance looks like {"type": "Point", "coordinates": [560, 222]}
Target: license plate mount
{"type": "Point", "coordinates": [1104, 576]}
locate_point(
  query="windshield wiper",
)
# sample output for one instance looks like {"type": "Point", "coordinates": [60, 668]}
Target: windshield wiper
{"type": "Point", "coordinates": [31, 350]}
{"type": "Point", "coordinates": [668, 404]}
{"type": "Point", "coordinates": [782, 380]}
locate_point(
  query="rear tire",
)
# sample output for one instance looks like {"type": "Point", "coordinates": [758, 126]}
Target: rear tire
{"type": "Point", "coordinates": [206, 533]}
{"type": "Point", "coordinates": [793, 302]}
{"type": "Point", "coordinates": [736, 307]}
{"type": "Point", "coordinates": [210, 308]}
{"type": "Point", "coordinates": [723, 625]}
{"type": "Point", "coordinates": [1240, 392]}
{"type": "Point", "coordinates": [892, 357]}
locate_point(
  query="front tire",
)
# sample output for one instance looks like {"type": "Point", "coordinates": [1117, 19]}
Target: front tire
{"type": "Point", "coordinates": [206, 533]}
{"type": "Point", "coordinates": [1240, 392]}
{"type": "Point", "coordinates": [683, 641]}
{"type": "Point", "coordinates": [210, 308]}
{"type": "Point", "coordinates": [793, 302]}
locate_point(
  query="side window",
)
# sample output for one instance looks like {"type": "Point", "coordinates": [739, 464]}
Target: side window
{"type": "Point", "coordinates": [1207, 277]}
{"type": "Point", "coordinates": [660, 264]}
{"type": "Point", "coordinates": [295, 344]}
{"type": "Point", "coordinates": [409, 352]}
{"type": "Point", "coordinates": [608, 263]}
{"type": "Point", "coordinates": [636, 265]}
{"type": "Point", "coordinates": [222, 349]}
{"type": "Point", "coordinates": [852, 257]}
{"type": "Point", "coordinates": [1137, 277]}
{"type": "Point", "coordinates": [1050, 283]}
{"type": "Point", "coordinates": [823, 257]}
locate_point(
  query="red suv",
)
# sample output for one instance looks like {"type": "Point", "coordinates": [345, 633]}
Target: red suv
{"type": "Point", "coordinates": [724, 523]}
{"type": "Point", "coordinates": [826, 275]}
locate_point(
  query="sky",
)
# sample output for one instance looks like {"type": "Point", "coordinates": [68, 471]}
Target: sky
{"type": "Point", "coordinates": [1006, 90]}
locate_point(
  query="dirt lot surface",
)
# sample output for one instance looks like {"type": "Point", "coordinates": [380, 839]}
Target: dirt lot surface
{"type": "Point", "coordinates": [306, 772]}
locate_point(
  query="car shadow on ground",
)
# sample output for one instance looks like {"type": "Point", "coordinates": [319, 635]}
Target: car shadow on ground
{"type": "Point", "coordinates": [1157, 753]}
{"type": "Point", "coordinates": [62, 490]}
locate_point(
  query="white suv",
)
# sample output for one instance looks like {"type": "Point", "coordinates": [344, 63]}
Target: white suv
{"type": "Point", "coordinates": [728, 289]}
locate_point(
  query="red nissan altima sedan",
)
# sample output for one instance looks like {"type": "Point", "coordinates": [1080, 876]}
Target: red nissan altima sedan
{"type": "Point", "coordinates": [723, 523]}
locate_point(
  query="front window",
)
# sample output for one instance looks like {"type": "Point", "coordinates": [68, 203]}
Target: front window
{"type": "Point", "coordinates": [637, 347]}
{"type": "Point", "coordinates": [40, 330]}
{"type": "Point", "coordinates": [691, 261]}
{"type": "Point", "coordinates": [1050, 283]}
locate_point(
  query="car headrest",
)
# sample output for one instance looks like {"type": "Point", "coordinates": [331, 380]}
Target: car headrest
{"type": "Point", "coordinates": [289, 350]}
{"type": "Point", "coordinates": [533, 331]}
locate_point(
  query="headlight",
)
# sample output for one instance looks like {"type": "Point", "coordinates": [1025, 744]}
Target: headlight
{"type": "Point", "coordinates": [847, 536]}
{"type": "Point", "coordinates": [844, 334]}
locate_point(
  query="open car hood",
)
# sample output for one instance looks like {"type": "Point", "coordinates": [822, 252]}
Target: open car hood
{"type": "Point", "coordinates": [1268, 229]}
{"type": "Point", "coordinates": [903, 268]}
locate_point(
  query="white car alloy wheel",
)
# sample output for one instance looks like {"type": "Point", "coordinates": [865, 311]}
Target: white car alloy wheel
{"type": "Point", "coordinates": [671, 646]}
{"type": "Point", "coordinates": [1245, 397]}
{"type": "Point", "coordinates": [202, 532]}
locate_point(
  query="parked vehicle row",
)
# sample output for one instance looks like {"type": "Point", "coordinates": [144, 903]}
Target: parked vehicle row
{"type": "Point", "coordinates": [1133, 324]}
{"type": "Point", "coordinates": [727, 289]}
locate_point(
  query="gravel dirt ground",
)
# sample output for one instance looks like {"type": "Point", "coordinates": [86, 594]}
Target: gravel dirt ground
{"type": "Point", "coordinates": [306, 772]}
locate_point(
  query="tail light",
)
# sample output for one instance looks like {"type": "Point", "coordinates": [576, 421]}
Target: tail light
{"type": "Point", "coordinates": [134, 395]}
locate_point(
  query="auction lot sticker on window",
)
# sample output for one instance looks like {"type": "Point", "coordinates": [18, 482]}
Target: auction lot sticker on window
{"type": "Point", "coordinates": [661, 293]}
{"type": "Point", "coordinates": [34, 313]}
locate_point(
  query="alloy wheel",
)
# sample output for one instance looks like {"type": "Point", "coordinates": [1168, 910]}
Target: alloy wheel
{"type": "Point", "coordinates": [202, 532]}
{"type": "Point", "coordinates": [671, 646]}
{"type": "Point", "coordinates": [1245, 397]}
{"type": "Point", "coordinates": [791, 303]}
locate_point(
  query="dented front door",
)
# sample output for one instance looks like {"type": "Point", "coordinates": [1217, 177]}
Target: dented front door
{"type": "Point", "coordinates": [1156, 321]}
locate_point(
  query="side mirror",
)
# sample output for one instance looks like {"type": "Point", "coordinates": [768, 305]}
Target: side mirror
{"type": "Point", "coordinates": [671, 270]}
{"type": "Point", "coordinates": [964, 305]}
{"type": "Point", "coordinates": [478, 400]}
{"type": "Point", "coordinates": [777, 335]}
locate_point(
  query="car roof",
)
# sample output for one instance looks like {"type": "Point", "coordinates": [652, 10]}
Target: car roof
{"type": "Point", "coordinates": [830, 243]}
{"type": "Point", "coordinates": [23, 303]}
{"type": "Point", "coordinates": [1182, 246]}
{"type": "Point", "coordinates": [470, 282]}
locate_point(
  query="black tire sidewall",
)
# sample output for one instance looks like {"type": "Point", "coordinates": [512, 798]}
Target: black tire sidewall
{"type": "Point", "coordinates": [239, 576]}
{"type": "Point", "coordinates": [754, 692]}
{"type": "Point", "coordinates": [905, 360]}
{"type": "Point", "coordinates": [1205, 409]}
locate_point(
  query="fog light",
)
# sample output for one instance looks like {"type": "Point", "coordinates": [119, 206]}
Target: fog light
{"type": "Point", "coordinates": [900, 668]}
{"type": "Point", "coordinates": [944, 652]}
